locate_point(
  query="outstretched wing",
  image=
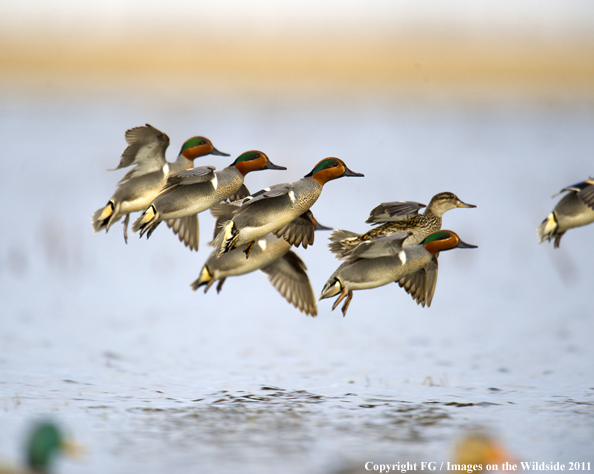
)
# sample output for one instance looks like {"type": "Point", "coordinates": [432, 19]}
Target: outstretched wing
{"type": "Point", "coordinates": [200, 174]}
{"type": "Point", "coordinates": [387, 246]}
{"type": "Point", "coordinates": [421, 284]}
{"type": "Point", "coordinates": [187, 229]}
{"type": "Point", "coordinates": [275, 191]}
{"type": "Point", "coordinates": [300, 231]}
{"type": "Point", "coordinates": [288, 275]}
{"type": "Point", "coordinates": [394, 211]}
{"type": "Point", "coordinates": [146, 150]}
{"type": "Point", "coordinates": [585, 192]}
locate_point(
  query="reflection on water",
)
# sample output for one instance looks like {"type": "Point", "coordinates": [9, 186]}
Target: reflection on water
{"type": "Point", "coordinates": [150, 376]}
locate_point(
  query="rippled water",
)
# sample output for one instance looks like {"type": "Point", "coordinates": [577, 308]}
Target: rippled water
{"type": "Point", "coordinates": [151, 377]}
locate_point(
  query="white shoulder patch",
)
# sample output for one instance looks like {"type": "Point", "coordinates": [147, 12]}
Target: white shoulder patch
{"type": "Point", "coordinates": [291, 195]}
{"type": "Point", "coordinates": [215, 181]}
{"type": "Point", "coordinates": [166, 169]}
{"type": "Point", "coordinates": [262, 244]}
{"type": "Point", "coordinates": [402, 256]}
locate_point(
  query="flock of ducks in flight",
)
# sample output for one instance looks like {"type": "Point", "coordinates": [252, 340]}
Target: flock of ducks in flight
{"type": "Point", "coordinates": [256, 231]}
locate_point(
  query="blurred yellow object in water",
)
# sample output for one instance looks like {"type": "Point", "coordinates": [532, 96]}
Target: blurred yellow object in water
{"type": "Point", "coordinates": [474, 451]}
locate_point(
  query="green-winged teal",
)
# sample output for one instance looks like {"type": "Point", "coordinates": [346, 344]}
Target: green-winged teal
{"type": "Point", "coordinates": [574, 210]}
{"type": "Point", "coordinates": [190, 192]}
{"type": "Point", "coordinates": [398, 217]}
{"type": "Point", "coordinates": [385, 260]}
{"type": "Point", "coordinates": [136, 190]}
{"type": "Point", "coordinates": [281, 210]}
{"type": "Point", "coordinates": [273, 255]}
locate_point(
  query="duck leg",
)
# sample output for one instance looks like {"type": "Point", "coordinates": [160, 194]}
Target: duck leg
{"type": "Point", "coordinates": [220, 285]}
{"type": "Point", "coordinates": [151, 229]}
{"type": "Point", "coordinates": [343, 294]}
{"type": "Point", "coordinates": [126, 220]}
{"type": "Point", "coordinates": [346, 304]}
{"type": "Point", "coordinates": [558, 240]}
{"type": "Point", "coordinates": [249, 248]}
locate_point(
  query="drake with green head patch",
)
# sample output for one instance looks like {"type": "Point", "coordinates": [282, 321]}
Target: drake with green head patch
{"type": "Point", "coordinates": [199, 146]}
{"type": "Point", "coordinates": [146, 154]}
{"type": "Point", "coordinates": [285, 270]}
{"type": "Point", "coordinates": [443, 240]}
{"type": "Point", "coordinates": [384, 260]}
{"type": "Point", "coordinates": [254, 160]}
{"type": "Point", "coordinates": [190, 192]}
{"type": "Point", "coordinates": [329, 169]}
{"type": "Point", "coordinates": [280, 209]}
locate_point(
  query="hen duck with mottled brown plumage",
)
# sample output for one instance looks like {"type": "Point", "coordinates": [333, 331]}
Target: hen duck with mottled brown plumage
{"type": "Point", "coordinates": [398, 217]}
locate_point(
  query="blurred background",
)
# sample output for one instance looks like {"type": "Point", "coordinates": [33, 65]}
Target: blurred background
{"type": "Point", "coordinates": [491, 100]}
{"type": "Point", "coordinates": [529, 48]}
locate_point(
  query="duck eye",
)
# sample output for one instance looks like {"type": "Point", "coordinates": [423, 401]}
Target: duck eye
{"type": "Point", "coordinates": [257, 155]}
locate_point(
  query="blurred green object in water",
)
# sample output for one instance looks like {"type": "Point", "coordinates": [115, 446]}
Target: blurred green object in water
{"type": "Point", "coordinates": [44, 442]}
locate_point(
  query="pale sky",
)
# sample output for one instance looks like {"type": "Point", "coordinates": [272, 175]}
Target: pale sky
{"type": "Point", "coordinates": [540, 17]}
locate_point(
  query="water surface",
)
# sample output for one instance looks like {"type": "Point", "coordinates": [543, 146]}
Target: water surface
{"type": "Point", "coordinates": [150, 376]}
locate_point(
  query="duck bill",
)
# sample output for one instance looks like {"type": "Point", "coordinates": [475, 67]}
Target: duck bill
{"type": "Point", "coordinates": [271, 166]}
{"type": "Point", "coordinates": [72, 449]}
{"type": "Point", "coordinates": [319, 226]}
{"type": "Point", "coordinates": [464, 245]}
{"type": "Point", "coordinates": [218, 153]}
{"type": "Point", "coordinates": [463, 204]}
{"type": "Point", "coordinates": [348, 172]}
